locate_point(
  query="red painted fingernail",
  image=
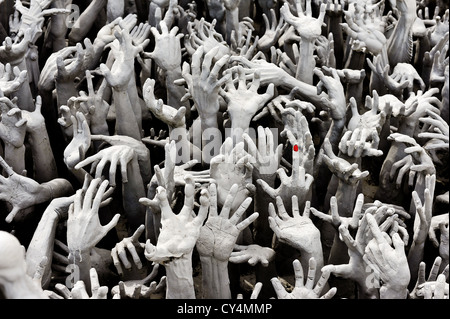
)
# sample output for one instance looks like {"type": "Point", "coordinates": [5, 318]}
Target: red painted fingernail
{"type": "Point", "coordinates": [295, 148]}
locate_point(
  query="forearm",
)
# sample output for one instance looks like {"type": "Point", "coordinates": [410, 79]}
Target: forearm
{"type": "Point", "coordinates": [239, 124]}
{"type": "Point", "coordinates": [306, 66]}
{"type": "Point", "coordinates": [15, 156]}
{"type": "Point", "coordinates": [209, 138]}
{"type": "Point", "coordinates": [176, 92]}
{"type": "Point", "coordinates": [145, 167]}
{"type": "Point", "coordinates": [334, 26]}
{"type": "Point", "coordinates": [179, 281]}
{"type": "Point", "coordinates": [126, 120]}
{"type": "Point", "coordinates": [23, 94]}
{"type": "Point", "coordinates": [400, 44]}
{"type": "Point", "coordinates": [64, 91]}
{"type": "Point", "coordinates": [415, 257]}
{"type": "Point", "coordinates": [232, 22]}
{"type": "Point", "coordinates": [334, 133]}
{"type": "Point", "coordinates": [152, 14]}
{"type": "Point", "coordinates": [58, 26]}
{"type": "Point", "coordinates": [44, 164]}
{"type": "Point", "coordinates": [42, 244]}
{"type": "Point", "coordinates": [80, 265]}
{"type": "Point", "coordinates": [346, 192]}
{"type": "Point", "coordinates": [216, 284]}
{"type": "Point", "coordinates": [132, 191]}
{"type": "Point", "coordinates": [134, 101]}
{"type": "Point", "coordinates": [307, 91]}
{"type": "Point", "coordinates": [262, 231]}
{"type": "Point", "coordinates": [85, 21]}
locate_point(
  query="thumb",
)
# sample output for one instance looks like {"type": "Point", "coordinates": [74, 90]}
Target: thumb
{"type": "Point", "coordinates": [354, 107]}
{"type": "Point", "coordinates": [107, 74]}
{"type": "Point", "coordinates": [12, 214]}
{"type": "Point", "coordinates": [112, 223]}
{"type": "Point", "coordinates": [398, 243]}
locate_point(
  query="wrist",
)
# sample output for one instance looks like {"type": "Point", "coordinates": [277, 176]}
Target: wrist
{"type": "Point", "coordinates": [78, 255]}
{"type": "Point", "coordinates": [393, 292]}
{"type": "Point", "coordinates": [239, 123]}
{"type": "Point", "coordinates": [173, 72]}
{"type": "Point", "coordinates": [121, 89]}
{"type": "Point", "coordinates": [409, 16]}
{"type": "Point", "coordinates": [37, 132]}
{"type": "Point", "coordinates": [55, 188]}
{"type": "Point", "coordinates": [54, 213]}
{"type": "Point", "coordinates": [338, 114]}
{"type": "Point", "coordinates": [335, 132]}
{"type": "Point", "coordinates": [142, 153]}
{"type": "Point", "coordinates": [408, 125]}
{"type": "Point", "coordinates": [46, 193]}
{"type": "Point", "coordinates": [98, 46]}
{"type": "Point", "coordinates": [208, 121]}
{"type": "Point", "coordinates": [180, 284]}
{"type": "Point", "coordinates": [313, 249]}
{"type": "Point", "coordinates": [215, 279]}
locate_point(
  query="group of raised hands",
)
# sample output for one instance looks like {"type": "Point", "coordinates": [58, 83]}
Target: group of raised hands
{"type": "Point", "coordinates": [224, 149]}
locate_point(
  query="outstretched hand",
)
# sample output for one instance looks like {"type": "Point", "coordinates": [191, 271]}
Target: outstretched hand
{"type": "Point", "coordinates": [302, 289]}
